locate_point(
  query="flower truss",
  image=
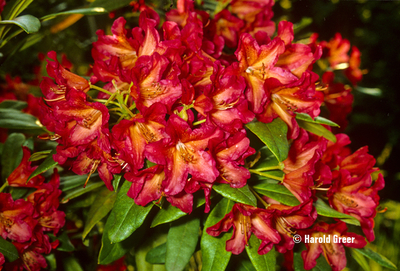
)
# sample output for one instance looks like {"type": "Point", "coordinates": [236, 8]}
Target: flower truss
{"type": "Point", "coordinates": [171, 107]}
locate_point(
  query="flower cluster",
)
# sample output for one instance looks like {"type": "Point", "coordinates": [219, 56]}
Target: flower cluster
{"type": "Point", "coordinates": [171, 118]}
{"type": "Point", "coordinates": [25, 222]}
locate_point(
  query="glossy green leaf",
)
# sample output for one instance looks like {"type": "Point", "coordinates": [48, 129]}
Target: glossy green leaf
{"type": "Point", "coordinates": [128, 216]}
{"type": "Point", "coordinates": [28, 23]}
{"type": "Point", "coordinates": [39, 155]}
{"type": "Point", "coordinates": [83, 11]}
{"type": "Point", "coordinates": [47, 164]}
{"type": "Point", "coordinates": [80, 191]}
{"type": "Point", "coordinates": [181, 243]}
{"type": "Point", "coordinates": [277, 192]}
{"type": "Point", "coordinates": [8, 250]}
{"type": "Point", "coordinates": [12, 154]}
{"type": "Point", "coordinates": [171, 213]}
{"type": "Point", "coordinates": [360, 259]}
{"type": "Point", "coordinates": [325, 210]}
{"type": "Point", "coordinates": [241, 195]}
{"type": "Point", "coordinates": [382, 260]}
{"type": "Point", "coordinates": [214, 255]}
{"type": "Point", "coordinates": [110, 5]}
{"type": "Point", "coordinates": [267, 160]}
{"type": "Point", "coordinates": [116, 181]}
{"type": "Point", "coordinates": [264, 262]}
{"type": "Point", "coordinates": [157, 254]}
{"type": "Point", "coordinates": [320, 120]}
{"type": "Point", "coordinates": [14, 8]}
{"type": "Point", "coordinates": [15, 119]}
{"type": "Point", "coordinates": [101, 206]}
{"type": "Point", "coordinates": [74, 181]}
{"type": "Point", "coordinates": [273, 135]}
{"type": "Point", "coordinates": [71, 264]}
{"type": "Point", "coordinates": [317, 129]}
{"type": "Point", "coordinates": [110, 252]}
{"type": "Point", "coordinates": [245, 265]}
{"type": "Point", "coordinates": [11, 104]}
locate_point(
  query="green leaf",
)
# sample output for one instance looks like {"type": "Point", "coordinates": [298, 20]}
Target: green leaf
{"type": "Point", "coordinates": [277, 192]}
{"type": "Point", "coordinates": [47, 164]}
{"type": "Point", "coordinates": [8, 250]}
{"type": "Point", "coordinates": [267, 159]}
{"type": "Point", "coordinates": [14, 8]}
{"type": "Point", "coordinates": [110, 252]}
{"type": "Point", "coordinates": [325, 210]}
{"type": "Point", "coordinates": [65, 243]}
{"type": "Point", "coordinates": [83, 11]}
{"type": "Point", "coordinates": [157, 254]}
{"type": "Point", "coordinates": [80, 191]}
{"type": "Point", "coordinates": [128, 216]}
{"type": "Point", "coordinates": [10, 104]}
{"type": "Point", "coordinates": [151, 241]}
{"type": "Point", "coordinates": [273, 135]}
{"type": "Point", "coordinates": [317, 129]}
{"type": "Point", "coordinates": [382, 260]}
{"type": "Point", "coordinates": [116, 181]}
{"type": "Point", "coordinates": [15, 119]}
{"type": "Point", "coordinates": [12, 153]}
{"type": "Point", "coordinates": [51, 261]}
{"type": "Point", "coordinates": [28, 23]}
{"type": "Point", "coordinates": [110, 5]}
{"type": "Point", "coordinates": [71, 264]}
{"type": "Point", "coordinates": [318, 120]}
{"type": "Point", "coordinates": [214, 255]}
{"type": "Point", "coordinates": [74, 181]}
{"type": "Point", "coordinates": [181, 243]}
{"type": "Point", "coordinates": [242, 195]}
{"type": "Point", "coordinates": [264, 262]}
{"type": "Point", "coordinates": [245, 265]}
{"type": "Point", "coordinates": [370, 91]}
{"type": "Point", "coordinates": [101, 206]}
{"type": "Point", "coordinates": [360, 259]}
{"type": "Point", "coordinates": [171, 213]}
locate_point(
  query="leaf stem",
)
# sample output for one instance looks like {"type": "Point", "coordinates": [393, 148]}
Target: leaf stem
{"type": "Point", "coordinates": [100, 89]}
{"type": "Point", "coordinates": [3, 186]}
{"type": "Point", "coordinates": [266, 175]}
{"type": "Point", "coordinates": [280, 166]}
{"type": "Point", "coordinates": [266, 205]}
{"type": "Point", "coordinates": [199, 122]}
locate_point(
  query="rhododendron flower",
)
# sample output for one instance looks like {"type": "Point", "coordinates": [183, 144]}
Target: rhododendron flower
{"type": "Point", "coordinates": [182, 152]}
{"type": "Point", "coordinates": [300, 164]}
{"type": "Point", "coordinates": [16, 221]}
{"type": "Point", "coordinates": [149, 184]}
{"type": "Point", "coordinates": [336, 50]}
{"type": "Point", "coordinates": [132, 136]}
{"type": "Point", "coordinates": [230, 155]}
{"type": "Point", "coordinates": [288, 219]}
{"type": "Point", "coordinates": [20, 175]}
{"type": "Point", "coordinates": [333, 251]}
{"type": "Point", "coordinates": [353, 72]}
{"type": "Point", "coordinates": [245, 220]}
{"type": "Point", "coordinates": [358, 197]}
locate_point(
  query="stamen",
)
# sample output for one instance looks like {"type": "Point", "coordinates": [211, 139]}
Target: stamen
{"type": "Point", "coordinates": [91, 118]}
{"type": "Point", "coordinates": [92, 170]}
{"type": "Point", "coordinates": [185, 153]}
{"type": "Point", "coordinates": [147, 134]}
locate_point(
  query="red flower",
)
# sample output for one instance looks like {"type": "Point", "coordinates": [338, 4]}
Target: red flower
{"type": "Point", "coordinates": [288, 219]}
{"type": "Point", "coordinates": [21, 174]}
{"type": "Point", "coordinates": [333, 251]}
{"type": "Point", "coordinates": [357, 197]}
{"type": "Point", "coordinates": [246, 220]}
{"type": "Point", "coordinates": [16, 221]}
{"type": "Point", "coordinates": [182, 152]}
